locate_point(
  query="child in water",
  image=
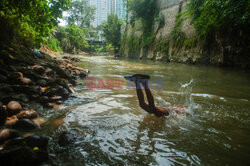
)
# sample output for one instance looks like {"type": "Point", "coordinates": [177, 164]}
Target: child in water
{"type": "Point", "coordinates": [140, 79]}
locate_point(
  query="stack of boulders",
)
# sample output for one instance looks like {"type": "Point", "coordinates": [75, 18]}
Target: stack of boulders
{"type": "Point", "coordinates": [47, 82]}
{"type": "Point", "coordinates": [15, 117]}
{"type": "Point", "coordinates": [15, 149]}
{"type": "Point", "coordinates": [72, 58]}
{"type": "Point", "coordinates": [29, 78]}
{"type": "Point", "coordinates": [19, 150]}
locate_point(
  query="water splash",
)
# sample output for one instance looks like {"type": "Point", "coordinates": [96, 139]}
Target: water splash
{"type": "Point", "coordinates": [186, 98]}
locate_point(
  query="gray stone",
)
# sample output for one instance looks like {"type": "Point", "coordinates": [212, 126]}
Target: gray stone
{"type": "Point", "coordinates": [25, 125]}
{"type": "Point", "coordinates": [27, 114]}
{"type": "Point", "coordinates": [6, 134]}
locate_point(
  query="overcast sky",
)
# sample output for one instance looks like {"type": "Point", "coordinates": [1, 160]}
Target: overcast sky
{"type": "Point", "coordinates": [63, 22]}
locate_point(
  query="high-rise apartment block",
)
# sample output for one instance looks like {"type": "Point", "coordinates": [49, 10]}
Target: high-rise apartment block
{"type": "Point", "coordinates": [106, 7]}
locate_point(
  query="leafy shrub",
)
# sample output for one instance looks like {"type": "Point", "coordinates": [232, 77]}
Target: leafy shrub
{"type": "Point", "coordinates": [145, 10]}
{"type": "Point", "coordinates": [209, 15]}
{"type": "Point", "coordinates": [177, 36]}
{"type": "Point", "coordinates": [161, 20]}
{"type": "Point", "coordinates": [32, 21]}
{"type": "Point", "coordinates": [54, 44]}
{"type": "Point", "coordinates": [71, 37]}
{"type": "Point", "coordinates": [112, 30]}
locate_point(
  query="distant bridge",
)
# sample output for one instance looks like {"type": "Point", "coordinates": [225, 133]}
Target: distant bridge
{"type": "Point", "coordinates": [93, 42]}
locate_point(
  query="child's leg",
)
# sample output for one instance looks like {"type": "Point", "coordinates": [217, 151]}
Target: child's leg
{"type": "Point", "coordinates": [155, 110]}
{"type": "Point", "coordinates": [140, 96]}
{"type": "Point", "coordinates": [149, 95]}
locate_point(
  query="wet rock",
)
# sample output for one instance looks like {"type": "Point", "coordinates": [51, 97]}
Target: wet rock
{"type": "Point", "coordinates": [31, 74]}
{"type": "Point", "coordinates": [21, 97]}
{"type": "Point", "coordinates": [35, 89]}
{"type": "Point", "coordinates": [25, 125]}
{"type": "Point", "coordinates": [13, 108]}
{"type": "Point", "coordinates": [64, 93]}
{"type": "Point", "coordinates": [43, 99]}
{"type": "Point", "coordinates": [22, 156]}
{"type": "Point", "coordinates": [3, 78]}
{"type": "Point", "coordinates": [27, 114]}
{"type": "Point", "coordinates": [15, 76]}
{"type": "Point", "coordinates": [62, 73]}
{"type": "Point", "coordinates": [3, 71]}
{"type": "Point", "coordinates": [37, 141]}
{"type": "Point", "coordinates": [3, 113]}
{"type": "Point", "coordinates": [39, 69]}
{"type": "Point", "coordinates": [49, 72]}
{"type": "Point", "coordinates": [66, 139]}
{"type": "Point", "coordinates": [17, 141]}
{"type": "Point", "coordinates": [59, 102]}
{"type": "Point", "coordinates": [55, 98]}
{"type": "Point", "coordinates": [27, 89]}
{"type": "Point", "coordinates": [82, 74]}
{"type": "Point", "coordinates": [51, 82]}
{"type": "Point", "coordinates": [6, 89]}
{"type": "Point", "coordinates": [40, 121]}
{"type": "Point", "coordinates": [6, 134]}
{"type": "Point", "coordinates": [19, 88]}
{"type": "Point", "coordinates": [34, 96]}
{"type": "Point", "coordinates": [51, 91]}
{"type": "Point", "coordinates": [49, 105]}
{"type": "Point", "coordinates": [57, 90]}
{"type": "Point", "coordinates": [77, 72]}
{"type": "Point", "coordinates": [11, 121]}
{"type": "Point", "coordinates": [42, 82]}
{"type": "Point", "coordinates": [25, 80]}
{"type": "Point", "coordinates": [64, 84]}
{"type": "Point", "coordinates": [72, 59]}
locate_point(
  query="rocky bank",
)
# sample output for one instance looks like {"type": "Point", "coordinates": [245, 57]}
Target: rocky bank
{"type": "Point", "coordinates": [29, 77]}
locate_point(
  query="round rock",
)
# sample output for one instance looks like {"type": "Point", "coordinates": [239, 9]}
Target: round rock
{"type": "Point", "coordinates": [25, 80]}
{"type": "Point", "coordinates": [25, 125]}
{"type": "Point", "coordinates": [13, 108]}
{"type": "Point", "coordinates": [6, 134]}
{"type": "Point", "coordinates": [28, 114]}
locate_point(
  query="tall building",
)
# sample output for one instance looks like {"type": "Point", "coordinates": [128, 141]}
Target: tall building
{"type": "Point", "coordinates": [101, 11]}
{"type": "Point", "coordinates": [105, 7]}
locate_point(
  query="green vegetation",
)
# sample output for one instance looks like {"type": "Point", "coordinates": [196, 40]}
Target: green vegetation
{"type": "Point", "coordinates": [34, 22]}
{"type": "Point", "coordinates": [211, 15]}
{"type": "Point", "coordinates": [112, 31]}
{"type": "Point", "coordinates": [69, 39]}
{"type": "Point", "coordinates": [31, 21]}
{"type": "Point", "coordinates": [54, 44]}
{"type": "Point", "coordinates": [146, 11]}
{"type": "Point", "coordinates": [224, 18]}
{"type": "Point", "coordinates": [72, 38]}
{"type": "Point", "coordinates": [99, 50]}
{"type": "Point", "coordinates": [80, 14]}
{"type": "Point", "coordinates": [162, 45]}
{"type": "Point", "coordinates": [161, 20]}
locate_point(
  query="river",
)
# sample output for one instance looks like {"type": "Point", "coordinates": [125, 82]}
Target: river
{"type": "Point", "coordinates": [110, 128]}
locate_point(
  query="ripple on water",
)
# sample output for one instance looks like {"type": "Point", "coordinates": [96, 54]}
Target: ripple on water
{"type": "Point", "coordinates": [213, 131]}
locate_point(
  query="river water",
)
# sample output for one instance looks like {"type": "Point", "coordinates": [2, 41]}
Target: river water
{"type": "Point", "coordinates": [109, 128]}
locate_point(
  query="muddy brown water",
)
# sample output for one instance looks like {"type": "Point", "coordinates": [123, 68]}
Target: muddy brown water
{"type": "Point", "coordinates": [109, 127]}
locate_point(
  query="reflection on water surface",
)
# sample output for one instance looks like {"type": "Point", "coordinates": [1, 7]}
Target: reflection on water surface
{"type": "Point", "coordinates": [111, 129]}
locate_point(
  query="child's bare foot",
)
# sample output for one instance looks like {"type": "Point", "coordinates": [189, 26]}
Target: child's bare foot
{"type": "Point", "coordinates": [137, 77]}
{"type": "Point", "coordinates": [141, 76]}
